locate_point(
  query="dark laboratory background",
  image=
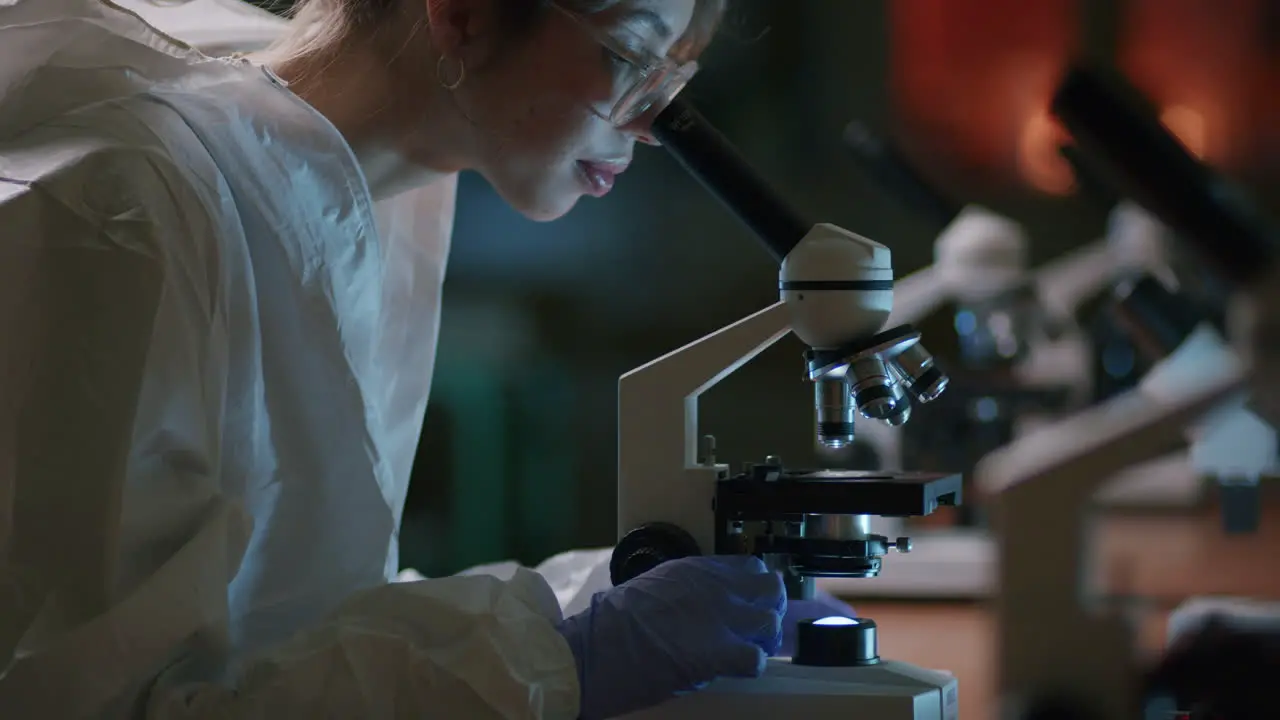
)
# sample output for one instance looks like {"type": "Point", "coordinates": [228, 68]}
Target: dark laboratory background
{"type": "Point", "coordinates": [517, 459]}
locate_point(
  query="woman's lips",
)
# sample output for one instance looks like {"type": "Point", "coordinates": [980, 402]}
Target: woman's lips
{"type": "Point", "coordinates": [600, 176]}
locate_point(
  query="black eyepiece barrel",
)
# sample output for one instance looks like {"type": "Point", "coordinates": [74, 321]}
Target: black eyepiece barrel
{"type": "Point", "coordinates": [1125, 138]}
{"type": "Point", "coordinates": [1088, 179]}
{"type": "Point", "coordinates": [709, 156]}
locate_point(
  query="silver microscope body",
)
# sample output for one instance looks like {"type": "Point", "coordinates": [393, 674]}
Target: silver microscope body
{"type": "Point", "coordinates": [676, 499]}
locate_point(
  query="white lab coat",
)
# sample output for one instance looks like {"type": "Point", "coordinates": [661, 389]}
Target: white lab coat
{"type": "Point", "coordinates": [213, 373]}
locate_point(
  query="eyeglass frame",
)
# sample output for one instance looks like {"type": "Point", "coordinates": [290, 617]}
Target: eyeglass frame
{"type": "Point", "coordinates": [649, 64]}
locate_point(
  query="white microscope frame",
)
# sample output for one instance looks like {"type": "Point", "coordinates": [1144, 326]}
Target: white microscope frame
{"type": "Point", "coordinates": [1051, 637]}
{"type": "Point", "coordinates": [660, 476]}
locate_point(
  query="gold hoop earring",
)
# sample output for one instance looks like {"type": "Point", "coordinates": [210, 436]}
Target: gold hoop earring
{"type": "Point", "coordinates": [462, 74]}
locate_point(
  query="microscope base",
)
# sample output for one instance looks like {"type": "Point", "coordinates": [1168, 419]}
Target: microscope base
{"type": "Point", "coordinates": [886, 691]}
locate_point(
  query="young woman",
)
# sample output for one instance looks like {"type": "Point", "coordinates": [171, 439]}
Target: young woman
{"type": "Point", "coordinates": [219, 294]}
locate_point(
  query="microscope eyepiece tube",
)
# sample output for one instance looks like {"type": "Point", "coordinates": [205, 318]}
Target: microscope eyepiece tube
{"type": "Point", "coordinates": [1091, 183]}
{"type": "Point", "coordinates": [834, 410]}
{"type": "Point", "coordinates": [709, 157]}
{"type": "Point", "coordinates": [1111, 125]}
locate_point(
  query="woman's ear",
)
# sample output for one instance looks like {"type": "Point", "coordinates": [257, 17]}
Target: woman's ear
{"type": "Point", "coordinates": [457, 26]}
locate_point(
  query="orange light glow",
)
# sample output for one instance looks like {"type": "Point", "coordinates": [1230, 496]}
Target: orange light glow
{"type": "Point", "coordinates": [965, 76]}
{"type": "Point", "coordinates": [1038, 160]}
{"type": "Point", "coordinates": [1188, 126]}
{"type": "Point", "coordinates": [1203, 63]}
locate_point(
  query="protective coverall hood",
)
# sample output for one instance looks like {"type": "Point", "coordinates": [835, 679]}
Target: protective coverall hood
{"type": "Point", "coordinates": [218, 352]}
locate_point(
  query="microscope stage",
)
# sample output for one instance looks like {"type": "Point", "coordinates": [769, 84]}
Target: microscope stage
{"type": "Point", "coordinates": [770, 492]}
{"type": "Point", "coordinates": [885, 691]}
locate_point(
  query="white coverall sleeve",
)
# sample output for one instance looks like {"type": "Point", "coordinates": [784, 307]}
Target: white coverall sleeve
{"type": "Point", "coordinates": [458, 647]}
{"type": "Point", "coordinates": [96, 242]}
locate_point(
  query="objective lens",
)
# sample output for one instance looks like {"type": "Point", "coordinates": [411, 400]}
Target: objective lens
{"type": "Point", "coordinates": [833, 407]}
{"type": "Point", "coordinates": [900, 415]}
{"type": "Point", "coordinates": [875, 391]}
{"type": "Point", "coordinates": [920, 374]}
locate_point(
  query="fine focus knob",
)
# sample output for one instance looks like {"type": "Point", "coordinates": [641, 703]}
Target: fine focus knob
{"type": "Point", "coordinates": [836, 642]}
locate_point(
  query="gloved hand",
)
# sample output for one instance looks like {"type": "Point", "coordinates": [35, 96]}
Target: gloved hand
{"type": "Point", "coordinates": [674, 629]}
{"type": "Point", "coordinates": [822, 605]}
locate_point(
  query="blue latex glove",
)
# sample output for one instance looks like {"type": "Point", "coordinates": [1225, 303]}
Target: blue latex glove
{"type": "Point", "coordinates": [674, 629]}
{"type": "Point", "coordinates": [822, 605]}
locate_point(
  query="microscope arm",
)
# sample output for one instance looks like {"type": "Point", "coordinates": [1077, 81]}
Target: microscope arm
{"type": "Point", "coordinates": [1063, 284]}
{"type": "Point", "coordinates": [1232, 444]}
{"type": "Point", "coordinates": [658, 423]}
{"type": "Point", "coordinates": [1050, 640]}
{"type": "Point", "coordinates": [1135, 244]}
{"type": "Point", "coordinates": [917, 295]}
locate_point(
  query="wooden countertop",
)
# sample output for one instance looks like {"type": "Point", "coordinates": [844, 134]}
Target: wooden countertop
{"type": "Point", "coordinates": [1164, 558]}
{"type": "Point", "coordinates": [959, 638]}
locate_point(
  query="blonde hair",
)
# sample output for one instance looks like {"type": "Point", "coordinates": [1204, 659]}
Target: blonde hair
{"type": "Point", "coordinates": [321, 25]}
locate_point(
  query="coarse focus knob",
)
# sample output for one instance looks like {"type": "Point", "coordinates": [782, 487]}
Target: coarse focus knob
{"type": "Point", "coordinates": [647, 547]}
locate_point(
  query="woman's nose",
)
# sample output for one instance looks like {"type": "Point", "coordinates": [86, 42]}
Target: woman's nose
{"type": "Point", "coordinates": [642, 128]}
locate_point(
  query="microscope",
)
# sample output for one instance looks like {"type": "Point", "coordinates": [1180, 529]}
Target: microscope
{"type": "Point", "coordinates": [1059, 653]}
{"type": "Point", "coordinates": [1140, 276]}
{"type": "Point", "coordinates": [1232, 447]}
{"type": "Point", "coordinates": [677, 499]}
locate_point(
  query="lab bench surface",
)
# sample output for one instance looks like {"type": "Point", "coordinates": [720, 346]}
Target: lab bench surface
{"type": "Point", "coordinates": [958, 638]}
{"type": "Point", "coordinates": [1163, 559]}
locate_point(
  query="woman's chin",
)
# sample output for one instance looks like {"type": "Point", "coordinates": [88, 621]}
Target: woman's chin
{"type": "Point", "coordinates": [550, 208]}
{"type": "Point", "coordinates": [541, 200]}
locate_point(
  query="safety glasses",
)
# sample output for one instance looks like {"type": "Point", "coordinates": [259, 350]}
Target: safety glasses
{"type": "Point", "coordinates": [642, 79]}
